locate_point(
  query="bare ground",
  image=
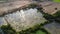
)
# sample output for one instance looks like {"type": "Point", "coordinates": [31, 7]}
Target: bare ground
{"type": "Point", "coordinates": [49, 7]}
{"type": "Point", "coordinates": [6, 7]}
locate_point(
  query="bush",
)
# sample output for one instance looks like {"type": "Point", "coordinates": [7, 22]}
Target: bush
{"type": "Point", "coordinates": [32, 5]}
{"type": "Point", "coordinates": [57, 14]}
{"type": "Point", "coordinates": [7, 29]}
{"type": "Point", "coordinates": [48, 16]}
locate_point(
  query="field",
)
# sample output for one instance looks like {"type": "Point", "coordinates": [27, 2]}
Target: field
{"type": "Point", "coordinates": [40, 32]}
{"type": "Point", "coordinates": [56, 0]}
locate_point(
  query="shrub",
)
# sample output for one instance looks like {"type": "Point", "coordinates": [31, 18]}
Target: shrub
{"type": "Point", "coordinates": [7, 29]}
{"type": "Point", "coordinates": [32, 5]}
{"type": "Point", "coordinates": [57, 14]}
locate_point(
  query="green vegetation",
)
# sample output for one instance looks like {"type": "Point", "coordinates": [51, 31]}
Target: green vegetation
{"type": "Point", "coordinates": [33, 5]}
{"type": "Point", "coordinates": [34, 30]}
{"type": "Point", "coordinates": [40, 32]}
{"type": "Point", "coordinates": [57, 14]}
{"type": "Point", "coordinates": [46, 15]}
{"type": "Point", "coordinates": [37, 29]}
{"type": "Point", "coordinates": [7, 29]}
{"type": "Point", "coordinates": [56, 0]}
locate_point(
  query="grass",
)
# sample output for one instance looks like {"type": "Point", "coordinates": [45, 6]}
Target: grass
{"type": "Point", "coordinates": [56, 0]}
{"type": "Point", "coordinates": [40, 32]}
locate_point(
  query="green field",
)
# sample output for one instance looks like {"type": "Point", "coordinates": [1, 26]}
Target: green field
{"type": "Point", "coordinates": [56, 0]}
{"type": "Point", "coordinates": [40, 32]}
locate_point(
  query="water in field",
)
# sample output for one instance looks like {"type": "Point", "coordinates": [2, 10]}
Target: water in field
{"type": "Point", "coordinates": [23, 19]}
{"type": "Point", "coordinates": [53, 28]}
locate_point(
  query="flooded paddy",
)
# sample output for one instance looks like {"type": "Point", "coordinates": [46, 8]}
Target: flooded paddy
{"type": "Point", "coordinates": [53, 28]}
{"type": "Point", "coordinates": [24, 19]}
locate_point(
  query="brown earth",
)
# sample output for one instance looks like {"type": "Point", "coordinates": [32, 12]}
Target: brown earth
{"type": "Point", "coordinates": [8, 7]}
{"type": "Point", "coordinates": [49, 7]}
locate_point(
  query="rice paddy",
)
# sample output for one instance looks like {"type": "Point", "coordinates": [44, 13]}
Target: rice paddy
{"type": "Point", "coordinates": [56, 0]}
